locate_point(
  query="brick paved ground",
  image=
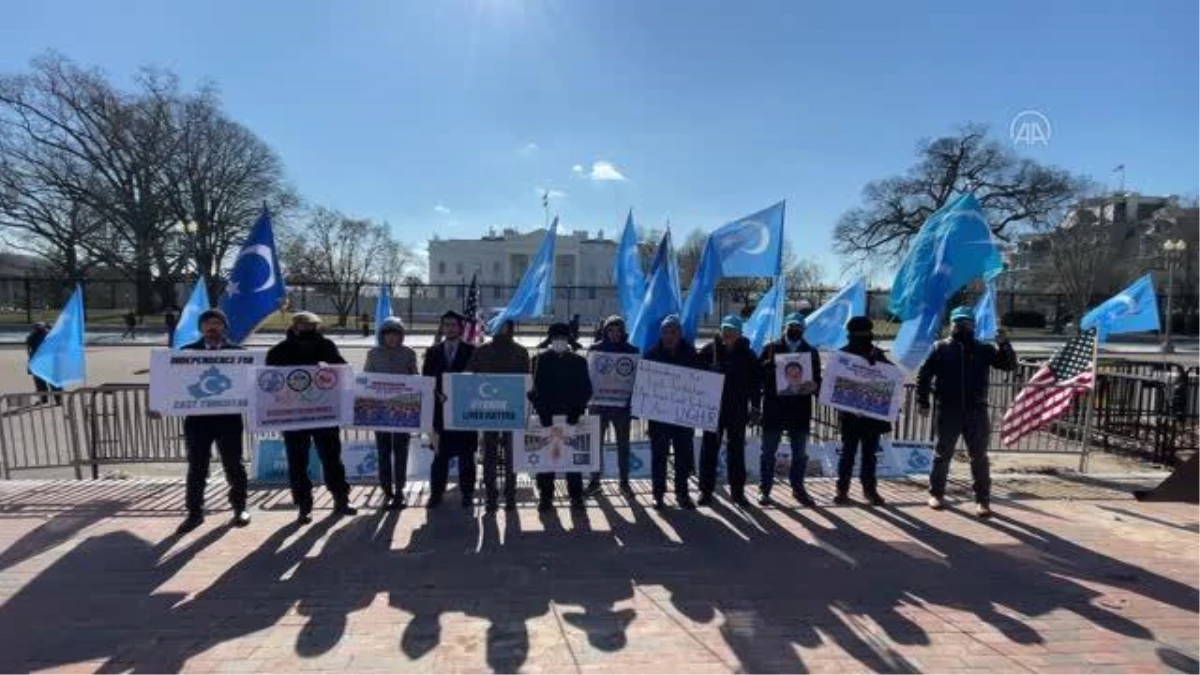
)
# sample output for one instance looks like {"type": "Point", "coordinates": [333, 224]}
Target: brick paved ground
{"type": "Point", "coordinates": [1069, 577]}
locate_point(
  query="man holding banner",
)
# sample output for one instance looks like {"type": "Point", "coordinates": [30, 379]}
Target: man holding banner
{"type": "Point", "coordinates": [729, 353]}
{"type": "Point", "coordinates": [671, 349]}
{"type": "Point", "coordinates": [561, 386]}
{"type": "Point", "coordinates": [784, 412]}
{"type": "Point", "coordinates": [451, 355]}
{"type": "Point", "coordinates": [501, 355]}
{"type": "Point", "coordinates": [613, 341]}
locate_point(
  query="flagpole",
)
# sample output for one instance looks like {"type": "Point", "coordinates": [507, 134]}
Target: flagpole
{"type": "Point", "coordinates": [1087, 411]}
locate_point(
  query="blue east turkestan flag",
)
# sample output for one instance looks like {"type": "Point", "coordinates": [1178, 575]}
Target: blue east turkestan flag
{"type": "Point", "coordinates": [986, 322]}
{"type": "Point", "coordinates": [383, 307]}
{"type": "Point", "coordinates": [953, 247]}
{"type": "Point", "coordinates": [59, 360]}
{"type": "Point", "coordinates": [187, 329]}
{"type": "Point", "coordinates": [662, 297]}
{"type": "Point", "coordinates": [536, 287]}
{"type": "Point", "coordinates": [255, 287]}
{"type": "Point", "coordinates": [826, 327]}
{"type": "Point", "coordinates": [766, 323]}
{"type": "Point", "coordinates": [1132, 310]}
{"type": "Point", "coordinates": [627, 271]}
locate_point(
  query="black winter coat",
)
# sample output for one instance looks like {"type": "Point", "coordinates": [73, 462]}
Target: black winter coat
{"type": "Point", "coordinates": [304, 350]}
{"type": "Point", "coordinates": [787, 412]}
{"type": "Point", "coordinates": [959, 371]}
{"type": "Point", "coordinates": [434, 365]}
{"type": "Point", "coordinates": [561, 386]}
{"type": "Point", "coordinates": [743, 378]}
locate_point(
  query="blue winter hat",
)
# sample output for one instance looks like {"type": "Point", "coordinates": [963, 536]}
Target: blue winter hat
{"type": "Point", "coordinates": [962, 313]}
{"type": "Point", "coordinates": [671, 320]}
{"type": "Point", "coordinates": [794, 319]}
{"type": "Point", "coordinates": [732, 321]}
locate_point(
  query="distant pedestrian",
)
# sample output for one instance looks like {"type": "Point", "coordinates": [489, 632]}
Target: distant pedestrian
{"type": "Point", "coordinates": [130, 325]}
{"type": "Point", "coordinates": [170, 320]}
{"type": "Point", "coordinates": [32, 342]}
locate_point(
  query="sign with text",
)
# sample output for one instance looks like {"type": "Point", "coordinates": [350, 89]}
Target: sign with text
{"type": "Point", "coordinates": [612, 378]}
{"type": "Point", "coordinates": [399, 403]}
{"type": "Point", "coordinates": [853, 385]}
{"type": "Point", "coordinates": [284, 398]}
{"type": "Point", "coordinates": [558, 448]}
{"type": "Point", "coordinates": [792, 372]}
{"type": "Point", "coordinates": [476, 402]}
{"type": "Point", "coordinates": [677, 395]}
{"type": "Point", "coordinates": [194, 382]}
{"type": "Point", "coordinates": [893, 460]}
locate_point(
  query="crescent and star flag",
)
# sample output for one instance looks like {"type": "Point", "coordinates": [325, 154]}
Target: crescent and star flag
{"type": "Point", "coordinates": [536, 287]}
{"type": "Point", "coordinates": [766, 323]}
{"type": "Point", "coordinates": [1051, 391]}
{"type": "Point", "coordinates": [187, 329]}
{"type": "Point", "coordinates": [59, 360]}
{"type": "Point", "coordinates": [627, 270]}
{"type": "Point", "coordinates": [661, 299]}
{"type": "Point", "coordinates": [1132, 310]}
{"type": "Point", "coordinates": [255, 287]}
{"type": "Point", "coordinates": [826, 327]}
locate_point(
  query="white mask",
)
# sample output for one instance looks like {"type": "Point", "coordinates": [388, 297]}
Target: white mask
{"type": "Point", "coordinates": [559, 346]}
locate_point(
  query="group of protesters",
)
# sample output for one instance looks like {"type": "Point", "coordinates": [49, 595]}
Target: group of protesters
{"type": "Point", "coordinates": [956, 373]}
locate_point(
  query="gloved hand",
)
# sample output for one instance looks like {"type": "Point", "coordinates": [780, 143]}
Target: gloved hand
{"type": "Point", "coordinates": [546, 420]}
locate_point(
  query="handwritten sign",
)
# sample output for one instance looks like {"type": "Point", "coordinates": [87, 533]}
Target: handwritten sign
{"type": "Point", "coordinates": [558, 448]}
{"type": "Point", "coordinates": [612, 378]}
{"type": "Point", "coordinates": [194, 382]}
{"type": "Point", "coordinates": [395, 403]}
{"type": "Point", "coordinates": [284, 398]}
{"type": "Point", "coordinates": [792, 371]}
{"type": "Point", "coordinates": [676, 395]}
{"type": "Point", "coordinates": [855, 386]}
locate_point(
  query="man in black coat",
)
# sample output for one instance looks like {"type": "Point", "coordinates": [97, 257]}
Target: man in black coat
{"type": "Point", "coordinates": [787, 412]}
{"type": "Point", "coordinates": [305, 346]}
{"type": "Point", "coordinates": [673, 350]}
{"type": "Point", "coordinates": [32, 341]}
{"type": "Point", "coordinates": [729, 354]}
{"type": "Point", "coordinates": [451, 355]}
{"type": "Point", "coordinates": [561, 386]}
{"type": "Point", "coordinates": [200, 432]}
{"type": "Point", "coordinates": [859, 433]}
{"type": "Point", "coordinates": [614, 340]}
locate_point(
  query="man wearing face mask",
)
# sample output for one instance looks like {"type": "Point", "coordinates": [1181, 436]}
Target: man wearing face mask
{"type": "Point", "coordinates": [451, 355]}
{"type": "Point", "coordinates": [958, 372]}
{"type": "Point", "coordinates": [614, 341]}
{"type": "Point", "coordinates": [561, 386]}
{"type": "Point", "coordinates": [305, 346]}
{"type": "Point", "coordinates": [783, 413]}
{"type": "Point", "coordinates": [674, 350]}
{"type": "Point", "coordinates": [501, 355]}
{"type": "Point", "coordinates": [860, 435]}
{"type": "Point", "coordinates": [730, 354]}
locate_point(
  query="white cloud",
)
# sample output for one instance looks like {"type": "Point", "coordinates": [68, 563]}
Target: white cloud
{"type": "Point", "coordinates": [553, 194]}
{"type": "Point", "coordinates": [577, 169]}
{"type": "Point", "coordinates": [529, 148]}
{"type": "Point", "coordinates": [602, 170]}
{"type": "Point", "coordinates": [441, 209]}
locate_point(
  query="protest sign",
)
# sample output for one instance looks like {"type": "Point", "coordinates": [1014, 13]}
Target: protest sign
{"type": "Point", "coordinates": [677, 395]}
{"type": "Point", "coordinates": [612, 376]}
{"type": "Point", "coordinates": [639, 460]}
{"type": "Point", "coordinates": [284, 398]}
{"type": "Point", "coordinates": [558, 448]}
{"type": "Point", "coordinates": [485, 402]}
{"type": "Point", "coordinates": [894, 459]}
{"type": "Point", "coordinates": [853, 385]}
{"type": "Point", "coordinates": [791, 371]}
{"type": "Point", "coordinates": [194, 382]}
{"type": "Point", "coordinates": [269, 463]}
{"type": "Point", "coordinates": [397, 403]}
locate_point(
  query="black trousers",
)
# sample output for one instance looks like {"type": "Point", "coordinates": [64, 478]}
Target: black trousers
{"type": "Point", "coordinates": [460, 444]}
{"type": "Point", "coordinates": [43, 387]}
{"type": "Point", "coordinates": [545, 486]}
{"type": "Point", "coordinates": [200, 434]}
{"type": "Point", "coordinates": [975, 429]}
{"type": "Point", "coordinates": [492, 442]}
{"type": "Point", "coordinates": [662, 439]}
{"type": "Point", "coordinates": [329, 449]}
{"type": "Point", "coordinates": [392, 451]}
{"type": "Point", "coordinates": [855, 440]}
{"type": "Point", "coordinates": [620, 421]}
{"type": "Point", "coordinates": [735, 459]}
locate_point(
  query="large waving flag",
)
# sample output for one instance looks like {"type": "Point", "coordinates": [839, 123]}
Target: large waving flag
{"type": "Point", "coordinates": [534, 291]}
{"type": "Point", "coordinates": [187, 329]}
{"type": "Point", "coordinates": [986, 322]}
{"type": "Point", "coordinates": [826, 327]}
{"type": "Point", "coordinates": [766, 323]}
{"type": "Point", "coordinates": [627, 272]}
{"type": "Point", "coordinates": [1132, 310]}
{"type": "Point", "coordinates": [59, 360]}
{"type": "Point", "coordinates": [255, 287]}
{"type": "Point", "coordinates": [748, 247]}
{"type": "Point", "coordinates": [662, 297]}
{"type": "Point", "coordinates": [953, 247]}
{"type": "Point", "coordinates": [383, 307]}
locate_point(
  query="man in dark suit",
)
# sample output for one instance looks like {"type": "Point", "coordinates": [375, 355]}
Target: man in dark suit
{"type": "Point", "coordinates": [450, 356]}
{"type": "Point", "coordinates": [200, 432]}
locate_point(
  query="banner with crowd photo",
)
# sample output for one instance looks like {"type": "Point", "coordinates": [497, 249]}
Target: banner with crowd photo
{"type": "Point", "coordinates": [558, 448]}
{"type": "Point", "coordinates": [687, 397]}
{"type": "Point", "coordinates": [894, 459]}
{"type": "Point", "coordinates": [397, 403]}
{"type": "Point", "coordinates": [194, 382]}
{"type": "Point", "coordinates": [612, 376]}
{"type": "Point", "coordinates": [792, 371]}
{"type": "Point", "coordinates": [476, 402]}
{"type": "Point", "coordinates": [286, 398]}
{"type": "Point", "coordinates": [852, 384]}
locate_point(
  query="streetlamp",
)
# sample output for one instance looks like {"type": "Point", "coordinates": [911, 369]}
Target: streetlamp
{"type": "Point", "coordinates": [1174, 252]}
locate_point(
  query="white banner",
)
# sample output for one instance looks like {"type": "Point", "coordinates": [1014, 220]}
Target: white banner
{"type": "Point", "coordinates": [284, 398]}
{"type": "Point", "coordinates": [558, 448]}
{"type": "Point", "coordinates": [893, 460]}
{"type": "Point", "coordinates": [852, 384]}
{"type": "Point", "coordinates": [613, 375]}
{"type": "Point", "coordinates": [791, 371]}
{"type": "Point", "coordinates": [399, 403]}
{"type": "Point", "coordinates": [676, 395]}
{"type": "Point", "coordinates": [194, 382]}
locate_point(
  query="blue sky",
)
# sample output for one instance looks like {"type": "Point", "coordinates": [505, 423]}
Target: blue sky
{"type": "Point", "coordinates": [709, 110]}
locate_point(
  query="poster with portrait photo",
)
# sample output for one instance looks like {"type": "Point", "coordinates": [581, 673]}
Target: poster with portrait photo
{"type": "Point", "coordinates": [792, 372]}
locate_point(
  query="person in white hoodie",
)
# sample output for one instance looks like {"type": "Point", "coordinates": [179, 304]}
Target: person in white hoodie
{"type": "Point", "coordinates": [392, 356]}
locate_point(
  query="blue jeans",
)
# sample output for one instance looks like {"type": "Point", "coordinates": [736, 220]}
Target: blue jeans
{"type": "Point", "coordinates": [770, 444]}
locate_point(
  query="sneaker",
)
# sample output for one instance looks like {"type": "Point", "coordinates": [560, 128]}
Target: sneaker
{"type": "Point", "coordinates": [545, 505]}
{"type": "Point", "coordinates": [802, 497]}
{"type": "Point", "coordinates": [396, 503]}
{"type": "Point", "coordinates": [345, 510]}
{"type": "Point", "coordinates": [983, 510]}
{"type": "Point", "coordinates": [510, 505]}
{"type": "Point", "coordinates": [875, 499]}
{"type": "Point", "coordinates": [304, 517]}
{"type": "Point", "coordinates": [764, 499]}
{"type": "Point", "coordinates": [706, 499]}
{"type": "Point", "coordinates": [434, 502]}
{"type": "Point", "coordinates": [740, 500]}
{"type": "Point", "coordinates": [626, 487]}
{"type": "Point", "coordinates": [936, 503]}
{"type": "Point", "coordinates": [842, 499]}
{"type": "Point", "coordinates": [190, 523]}
{"type": "Point", "coordinates": [593, 488]}
{"type": "Point", "coordinates": [577, 504]}
{"type": "Point", "coordinates": [240, 518]}
{"type": "Point", "coordinates": [659, 504]}
{"type": "Point", "coordinates": [685, 502]}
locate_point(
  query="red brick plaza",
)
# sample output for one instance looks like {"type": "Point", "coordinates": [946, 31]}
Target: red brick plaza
{"type": "Point", "coordinates": [1072, 575]}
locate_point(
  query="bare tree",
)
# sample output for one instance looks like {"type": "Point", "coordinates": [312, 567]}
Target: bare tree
{"type": "Point", "coordinates": [345, 254]}
{"type": "Point", "coordinates": [35, 218]}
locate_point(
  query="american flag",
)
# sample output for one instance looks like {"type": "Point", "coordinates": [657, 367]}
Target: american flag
{"type": "Point", "coordinates": [473, 332]}
{"type": "Point", "coordinates": [1050, 392]}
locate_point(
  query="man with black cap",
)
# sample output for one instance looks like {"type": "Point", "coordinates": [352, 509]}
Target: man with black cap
{"type": "Point", "coordinates": [614, 340]}
{"type": "Point", "coordinates": [201, 432]}
{"type": "Point", "coordinates": [958, 371]}
{"type": "Point", "coordinates": [861, 434]}
{"type": "Point", "coordinates": [674, 350]}
{"type": "Point", "coordinates": [305, 346]}
{"type": "Point", "coordinates": [561, 386]}
{"type": "Point", "coordinates": [729, 353]}
{"type": "Point", "coordinates": [32, 341]}
{"type": "Point", "coordinates": [451, 355]}
{"type": "Point", "coordinates": [502, 355]}
{"type": "Point", "coordinates": [787, 412]}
